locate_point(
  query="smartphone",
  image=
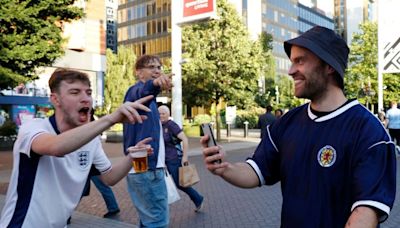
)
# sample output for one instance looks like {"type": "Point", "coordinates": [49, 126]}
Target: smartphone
{"type": "Point", "coordinates": [207, 130]}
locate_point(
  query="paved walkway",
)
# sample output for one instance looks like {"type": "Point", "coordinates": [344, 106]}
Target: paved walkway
{"type": "Point", "coordinates": [225, 206]}
{"type": "Point", "coordinates": [90, 210]}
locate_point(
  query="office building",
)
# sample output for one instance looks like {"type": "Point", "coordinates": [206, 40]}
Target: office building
{"type": "Point", "coordinates": [286, 19]}
{"type": "Point", "coordinates": [111, 24]}
{"type": "Point", "coordinates": [144, 25]}
{"type": "Point", "coordinates": [349, 14]}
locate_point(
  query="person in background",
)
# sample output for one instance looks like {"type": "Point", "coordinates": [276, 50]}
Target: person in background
{"type": "Point", "coordinates": [382, 118]}
{"type": "Point", "coordinates": [334, 159]}
{"type": "Point", "coordinates": [54, 156]}
{"type": "Point", "coordinates": [105, 190]}
{"type": "Point", "coordinates": [150, 200]}
{"type": "Point", "coordinates": [2, 117]}
{"type": "Point", "coordinates": [172, 130]}
{"type": "Point", "coordinates": [278, 113]}
{"type": "Point", "coordinates": [393, 122]}
{"type": "Point", "coordinates": [265, 119]}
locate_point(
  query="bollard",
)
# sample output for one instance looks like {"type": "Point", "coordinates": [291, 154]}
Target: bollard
{"type": "Point", "coordinates": [246, 129]}
{"type": "Point", "coordinates": [228, 129]}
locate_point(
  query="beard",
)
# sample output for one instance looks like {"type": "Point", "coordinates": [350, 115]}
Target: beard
{"type": "Point", "coordinates": [315, 85]}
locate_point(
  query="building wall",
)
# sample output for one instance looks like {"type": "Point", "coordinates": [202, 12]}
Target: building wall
{"type": "Point", "coordinates": [349, 14]}
{"type": "Point", "coordinates": [85, 49]}
{"type": "Point", "coordinates": [145, 26]}
{"type": "Point", "coordinates": [286, 19]}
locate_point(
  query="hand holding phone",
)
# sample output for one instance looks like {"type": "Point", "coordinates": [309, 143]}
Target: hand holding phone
{"type": "Point", "coordinates": [207, 130]}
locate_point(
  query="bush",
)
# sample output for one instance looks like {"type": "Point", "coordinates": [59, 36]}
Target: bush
{"type": "Point", "coordinates": [9, 128]}
{"type": "Point", "coordinates": [251, 116]}
{"type": "Point", "coordinates": [202, 118]}
{"type": "Point", "coordinates": [117, 127]}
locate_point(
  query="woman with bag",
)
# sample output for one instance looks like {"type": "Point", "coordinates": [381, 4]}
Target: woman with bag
{"type": "Point", "coordinates": [173, 135]}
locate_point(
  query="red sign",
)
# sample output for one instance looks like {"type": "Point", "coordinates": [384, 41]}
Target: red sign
{"type": "Point", "coordinates": [197, 7]}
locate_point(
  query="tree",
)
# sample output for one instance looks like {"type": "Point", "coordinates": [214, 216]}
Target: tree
{"type": "Point", "coordinates": [361, 77]}
{"type": "Point", "coordinates": [119, 76]}
{"type": "Point", "coordinates": [224, 63]}
{"type": "Point", "coordinates": [266, 95]}
{"type": "Point", "coordinates": [391, 90]}
{"type": "Point", "coordinates": [31, 36]}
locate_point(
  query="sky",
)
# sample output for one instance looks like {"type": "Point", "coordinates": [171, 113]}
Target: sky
{"type": "Point", "coordinates": [325, 5]}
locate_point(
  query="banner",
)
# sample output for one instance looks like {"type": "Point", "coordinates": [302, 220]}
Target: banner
{"type": "Point", "coordinates": [197, 10]}
{"type": "Point", "coordinates": [389, 36]}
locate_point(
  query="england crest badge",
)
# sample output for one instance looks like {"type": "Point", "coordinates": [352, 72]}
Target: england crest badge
{"type": "Point", "coordinates": [83, 159]}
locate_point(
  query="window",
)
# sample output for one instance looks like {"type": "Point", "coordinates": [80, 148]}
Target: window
{"type": "Point", "coordinates": [159, 26]}
{"type": "Point", "coordinates": [143, 48]}
{"type": "Point", "coordinates": [165, 26]}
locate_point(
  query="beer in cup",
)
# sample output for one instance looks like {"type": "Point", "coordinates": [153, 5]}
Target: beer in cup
{"type": "Point", "coordinates": [139, 158]}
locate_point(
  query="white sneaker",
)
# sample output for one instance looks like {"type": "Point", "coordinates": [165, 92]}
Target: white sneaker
{"type": "Point", "coordinates": [199, 207]}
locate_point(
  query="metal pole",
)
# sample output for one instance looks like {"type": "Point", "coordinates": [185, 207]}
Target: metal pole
{"type": "Point", "coordinates": [228, 129]}
{"type": "Point", "coordinates": [380, 61]}
{"type": "Point", "coordinates": [176, 55]}
{"type": "Point", "coordinates": [246, 129]}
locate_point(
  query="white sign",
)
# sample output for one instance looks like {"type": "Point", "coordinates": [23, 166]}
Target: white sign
{"type": "Point", "coordinates": [230, 114]}
{"type": "Point", "coordinates": [389, 36]}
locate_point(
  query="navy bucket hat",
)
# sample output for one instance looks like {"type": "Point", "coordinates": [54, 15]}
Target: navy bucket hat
{"type": "Point", "coordinates": [325, 44]}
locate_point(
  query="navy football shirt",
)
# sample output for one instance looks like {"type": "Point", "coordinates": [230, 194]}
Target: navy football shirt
{"type": "Point", "coordinates": [328, 165]}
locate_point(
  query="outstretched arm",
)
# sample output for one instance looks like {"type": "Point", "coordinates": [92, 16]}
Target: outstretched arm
{"type": "Point", "coordinates": [185, 146]}
{"type": "Point", "coordinates": [68, 141]}
{"type": "Point", "coordinates": [239, 174]}
{"type": "Point", "coordinates": [122, 168]}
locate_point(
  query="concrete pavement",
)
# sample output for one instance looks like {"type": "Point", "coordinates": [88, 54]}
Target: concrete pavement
{"type": "Point", "coordinates": [90, 210]}
{"type": "Point", "coordinates": [225, 205]}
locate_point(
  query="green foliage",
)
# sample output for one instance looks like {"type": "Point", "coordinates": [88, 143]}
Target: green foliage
{"type": "Point", "coordinates": [361, 79]}
{"type": "Point", "coordinates": [267, 95]}
{"type": "Point", "coordinates": [117, 127]}
{"type": "Point", "coordinates": [286, 97]}
{"type": "Point", "coordinates": [119, 77]}
{"type": "Point", "coordinates": [224, 62]}
{"type": "Point", "coordinates": [391, 92]}
{"type": "Point", "coordinates": [202, 118]}
{"type": "Point", "coordinates": [363, 61]}
{"type": "Point", "coordinates": [31, 36]}
{"type": "Point", "coordinates": [191, 130]}
{"type": "Point", "coordinates": [224, 65]}
{"type": "Point", "coordinates": [248, 115]}
{"type": "Point", "coordinates": [9, 128]}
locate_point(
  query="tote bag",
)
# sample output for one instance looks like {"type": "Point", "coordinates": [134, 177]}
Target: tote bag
{"type": "Point", "coordinates": [188, 175]}
{"type": "Point", "coordinates": [173, 194]}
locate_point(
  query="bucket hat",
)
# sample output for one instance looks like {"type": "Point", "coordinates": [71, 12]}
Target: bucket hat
{"type": "Point", "coordinates": [325, 44]}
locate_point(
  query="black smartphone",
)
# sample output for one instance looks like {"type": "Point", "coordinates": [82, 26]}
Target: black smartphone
{"type": "Point", "coordinates": [207, 130]}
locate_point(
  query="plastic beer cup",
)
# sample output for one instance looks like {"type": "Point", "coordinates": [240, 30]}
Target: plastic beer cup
{"type": "Point", "coordinates": [139, 158]}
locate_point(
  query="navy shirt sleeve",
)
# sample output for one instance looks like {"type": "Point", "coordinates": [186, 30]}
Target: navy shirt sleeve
{"type": "Point", "coordinates": [266, 160]}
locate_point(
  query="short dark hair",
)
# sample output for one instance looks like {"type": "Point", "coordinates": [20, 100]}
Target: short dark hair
{"type": "Point", "coordinates": [144, 60]}
{"type": "Point", "coordinates": [69, 75]}
{"type": "Point", "coordinates": [269, 108]}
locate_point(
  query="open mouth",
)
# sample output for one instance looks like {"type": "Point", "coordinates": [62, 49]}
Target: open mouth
{"type": "Point", "coordinates": [84, 114]}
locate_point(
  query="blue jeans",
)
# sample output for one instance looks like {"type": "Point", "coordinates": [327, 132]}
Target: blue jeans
{"type": "Point", "coordinates": [173, 169]}
{"type": "Point", "coordinates": [149, 195]}
{"type": "Point", "coordinates": [107, 194]}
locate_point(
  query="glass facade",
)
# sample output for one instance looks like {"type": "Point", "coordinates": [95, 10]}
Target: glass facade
{"type": "Point", "coordinates": [286, 19]}
{"type": "Point", "coordinates": [145, 26]}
